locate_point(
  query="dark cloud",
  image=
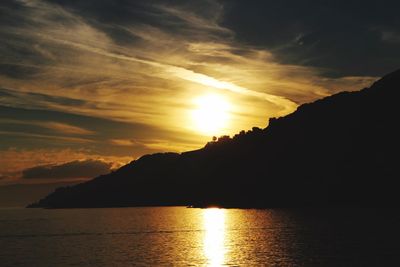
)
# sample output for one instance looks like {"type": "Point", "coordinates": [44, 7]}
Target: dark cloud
{"type": "Point", "coordinates": [344, 37]}
{"type": "Point", "coordinates": [75, 169]}
{"type": "Point", "coordinates": [16, 71]}
{"type": "Point", "coordinates": [8, 9]}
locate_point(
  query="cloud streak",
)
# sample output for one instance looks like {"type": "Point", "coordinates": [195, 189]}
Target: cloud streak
{"type": "Point", "coordinates": [56, 126]}
{"type": "Point", "coordinates": [66, 128]}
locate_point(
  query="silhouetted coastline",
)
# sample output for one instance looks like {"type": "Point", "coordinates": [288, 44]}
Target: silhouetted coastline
{"type": "Point", "coordinates": [337, 151]}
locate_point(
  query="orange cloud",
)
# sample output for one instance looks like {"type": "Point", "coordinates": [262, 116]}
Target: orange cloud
{"type": "Point", "coordinates": [66, 128]}
{"type": "Point", "coordinates": [123, 142]}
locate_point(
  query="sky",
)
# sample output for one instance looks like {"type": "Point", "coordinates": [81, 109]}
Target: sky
{"type": "Point", "coordinates": [87, 86]}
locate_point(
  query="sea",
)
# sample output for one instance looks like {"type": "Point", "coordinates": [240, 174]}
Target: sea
{"type": "Point", "coordinates": [180, 236]}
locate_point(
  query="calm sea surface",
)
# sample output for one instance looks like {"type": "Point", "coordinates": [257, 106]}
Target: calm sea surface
{"type": "Point", "coordinates": [177, 236]}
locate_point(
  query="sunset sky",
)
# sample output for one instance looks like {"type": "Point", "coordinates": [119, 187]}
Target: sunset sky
{"type": "Point", "coordinates": [87, 86]}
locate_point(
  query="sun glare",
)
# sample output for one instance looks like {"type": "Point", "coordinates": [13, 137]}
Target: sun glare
{"type": "Point", "coordinates": [214, 238]}
{"type": "Point", "coordinates": [211, 114]}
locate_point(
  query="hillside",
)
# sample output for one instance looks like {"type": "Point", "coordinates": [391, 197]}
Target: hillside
{"type": "Point", "coordinates": [342, 149]}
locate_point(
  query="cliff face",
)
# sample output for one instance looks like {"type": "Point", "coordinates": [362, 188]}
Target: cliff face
{"type": "Point", "coordinates": [340, 150]}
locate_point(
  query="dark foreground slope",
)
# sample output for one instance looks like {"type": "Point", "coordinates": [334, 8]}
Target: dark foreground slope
{"type": "Point", "coordinates": [340, 150]}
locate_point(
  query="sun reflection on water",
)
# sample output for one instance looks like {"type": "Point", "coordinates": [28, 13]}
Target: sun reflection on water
{"type": "Point", "coordinates": [214, 224]}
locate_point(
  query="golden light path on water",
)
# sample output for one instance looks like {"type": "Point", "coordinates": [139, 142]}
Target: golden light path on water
{"type": "Point", "coordinates": [214, 237]}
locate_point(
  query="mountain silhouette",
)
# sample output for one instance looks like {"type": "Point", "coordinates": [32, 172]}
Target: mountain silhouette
{"type": "Point", "coordinates": [340, 150]}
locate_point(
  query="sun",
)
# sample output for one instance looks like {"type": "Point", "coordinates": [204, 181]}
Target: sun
{"type": "Point", "coordinates": [211, 114]}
